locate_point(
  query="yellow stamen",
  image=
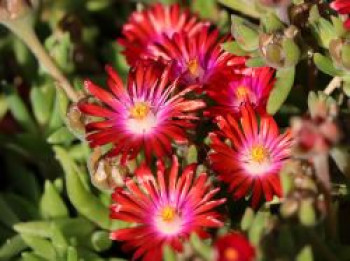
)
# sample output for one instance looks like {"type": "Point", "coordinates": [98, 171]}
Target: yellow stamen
{"type": "Point", "coordinates": [168, 214]}
{"type": "Point", "coordinates": [139, 111]}
{"type": "Point", "coordinates": [231, 254]}
{"type": "Point", "coordinates": [259, 154]}
{"type": "Point", "coordinates": [193, 67]}
{"type": "Point", "coordinates": [242, 92]}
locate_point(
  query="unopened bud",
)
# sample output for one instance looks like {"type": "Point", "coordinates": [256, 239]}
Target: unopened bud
{"type": "Point", "coordinates": [106, 173]}
{"type": "Point", "coordinates": [280, 50]}
{"type": "Point", "coordinates": [340, 52]}
{"type": "Point", "coordinates": [75, 121]}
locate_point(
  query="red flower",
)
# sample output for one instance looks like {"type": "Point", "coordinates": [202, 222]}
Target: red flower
{"type": "Point", "coordinates": [253, 88]}
{"type": "Point", "coordinates": [234, 247]}
{"type": "Point", "coordinates": [149, 26]}
{"type": "Point", "coordinates": [199, 58]}
{"type": "Point", "coordinates": [165, 209]}
{"type": "Point", "coordinates": [342, 7]}
{"type": "Point", "coordinates": [251, 162]}
{"type": "Point", "coordinates": [143, 116]}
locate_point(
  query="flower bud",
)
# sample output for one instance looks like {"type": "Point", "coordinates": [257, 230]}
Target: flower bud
{"type": "Point", "coordinates": [75, 121]}
{"type": "Point", "coordinates": [280, 50]}
{"type": "Point", "coordinates": [340, 53]}
{"type": "Point", "coordinates": [106, 173]}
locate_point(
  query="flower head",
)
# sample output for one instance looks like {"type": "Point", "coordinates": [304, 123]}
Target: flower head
{"type": "Point", "coordinates": [198, 58]}
{"type": "Point", "coordinates": [149, 26]}
{"type": "Point", "coordinates": [234, 247]}
{"type": "Point", "coordinates": [143, 116]}
{"type": "Point", "coordinates": [166, 209]}
{"type": "Point", "coordinates": [342, 7]}
{"type": "Point", "coordinates": [254, 89]}
{"type": "Point", "coordinates": [254, 156]}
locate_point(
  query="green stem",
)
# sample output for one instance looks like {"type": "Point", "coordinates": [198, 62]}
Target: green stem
{"type": "Point", "coordinates": [22, 27]}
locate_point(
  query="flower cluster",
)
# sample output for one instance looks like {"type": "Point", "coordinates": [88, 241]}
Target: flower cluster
{"type": "Point", "coordinates": [180, 77]}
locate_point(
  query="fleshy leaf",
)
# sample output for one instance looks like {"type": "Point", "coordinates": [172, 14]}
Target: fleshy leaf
{"type": "Point", "coordinates": [247, 219]}
{"type": "Point", "coordinates": [281, 89]}
{"type": "Point", "coordinates": [325, 64]}
{"type": "Point", "coordinates": [52, 205]}
{"type": "Point", "coordinates": [82, 199]}
{"type": "Point", "coordinates": [305, 254]}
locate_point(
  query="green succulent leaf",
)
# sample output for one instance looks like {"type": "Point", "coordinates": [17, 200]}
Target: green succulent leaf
{"type": "Point", "coordinates": [234, 48]}
{"type": "Point", "coordinates": [247, 219]}
{"type": "Point", "coordinates": [41, 247]}
{"type": "Point", "coordinates": [255, 62]}
{"type": "Point", "coordinates": [168, 253]}
{"type": "Point", "coordinates": [307, 215]}
{"type": "Point", "coordinates": [291, 51]}
{"type": "Point", "coordinates": [12, 247]}
{"type": "Point", "coordinates": [346, 88]}
{"type": "Point", "coordinates": [271, 23]}
{"type": "Point", "coordinates": [326, 65]}
{"type": "Point", "coordinates": [59, 111]}
{"type": "Point", "coordinates": [242, 6]}
{"type": "Point", "coordinates": [287, 182]}
{"type": "Point", "coordinates": [341, 157]}
{"type": "Point", "coordinates": [338, 25]}
{"type": "Point", "coordinates": [19, 110]}
{"type": "Point", "coordinates": [82, 199]}
{"type": "Point", "coordinates": [305, 254]}
{"type": "Point", "coordinates": [281, 89]}
{"type": "Point", "coordinates": [51, 204]}
{"type": "Point", "coordinates": [42, 101]}
{"type": "Point", "coordinates": [3, 106]}
{"type": "Point", "coordinates": [257, 227]}
{"type": "Point", "coordinates": [245, 33]}
{"type": "Point", "coordinates": [192, 155]}
{"type": "Point", "coordinates": [206, 9]}
{"type": "Point", "coordinates": [72, 254]}
{"type": "Point", "coordinates": [200, 247]}
{"type": "Point", "coordinates": [27, 256]}
{"type": "Point", "coordinates": [58, 240]}
{"type": "Point", "coordinates": [61, 136]}
{"type": "Point", "coordinates": [70, 227]}
{"type": "Point", "coordinates": [97, 5]}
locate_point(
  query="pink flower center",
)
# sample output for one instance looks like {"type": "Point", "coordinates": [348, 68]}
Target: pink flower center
{"type": "Point", "coordinates": [231, 254]}
{"type": "Point", "coordinates": [260, 154]}
{"type": "Point", "coordinates": [139, 111]}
